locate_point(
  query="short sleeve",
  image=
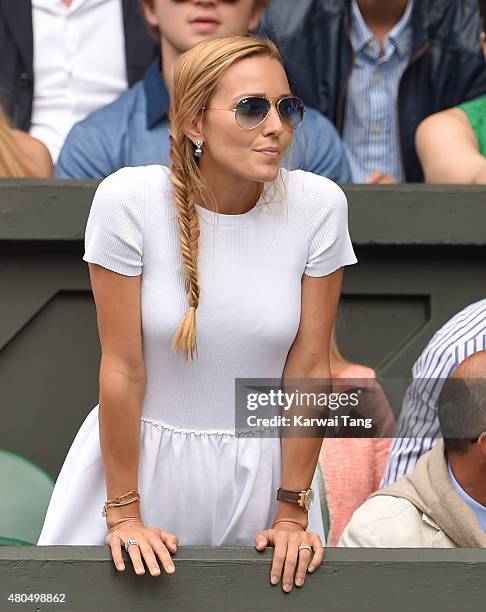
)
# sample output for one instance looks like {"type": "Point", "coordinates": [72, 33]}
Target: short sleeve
{"type": "Point", "coordinates": [330, 245]}
{"type": "Point", "coordinates": [114, 232]}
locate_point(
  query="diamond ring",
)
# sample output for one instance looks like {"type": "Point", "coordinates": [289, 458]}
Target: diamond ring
{"type": "Point", "coordinates": [306, 547]}
{"type": "Point", "coordinates": [129, 543]}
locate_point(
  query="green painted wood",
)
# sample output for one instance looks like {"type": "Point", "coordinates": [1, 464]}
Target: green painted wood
{"type": "Point", "coordinates": [236, 579]}
{"type": "Point", "coordinates": [379, 214]}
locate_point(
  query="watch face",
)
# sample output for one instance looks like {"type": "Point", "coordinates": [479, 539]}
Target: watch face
{"type": "Point", "coordinates": [309, 499]}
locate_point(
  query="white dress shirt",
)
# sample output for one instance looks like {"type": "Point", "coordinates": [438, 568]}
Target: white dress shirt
{"type": "Point", "coordinates": [79, 64]}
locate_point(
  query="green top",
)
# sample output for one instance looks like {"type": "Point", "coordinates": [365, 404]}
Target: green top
{"type": "Point", "coordinates": [476, 113]}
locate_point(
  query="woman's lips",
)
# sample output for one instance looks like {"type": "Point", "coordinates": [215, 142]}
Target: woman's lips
{"type": "Point", "coordinates": [269, 152]}
{"type": "Point", "coordinates": [205, 26]}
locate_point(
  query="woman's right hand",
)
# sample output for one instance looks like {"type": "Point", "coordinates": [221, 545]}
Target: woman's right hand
{"type": "Point", "coordinates": [151, 542]}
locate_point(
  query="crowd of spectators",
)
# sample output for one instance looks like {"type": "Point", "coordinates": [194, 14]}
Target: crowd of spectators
{"type": "Point", "coordinates": [91, 80]}
{"type": "Point", "coordinates": [395, 91]}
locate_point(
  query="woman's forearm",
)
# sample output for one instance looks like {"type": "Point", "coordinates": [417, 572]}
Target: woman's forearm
{"type": "Point", "coordinates": [300, 455]}
{"type": "Point", "coordinates": [121, 396]}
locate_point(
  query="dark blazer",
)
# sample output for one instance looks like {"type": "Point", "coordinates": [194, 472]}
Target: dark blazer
{"type": "Point", "coordinates": [16, 55]}
{"type": "Point", "coordinates": [447, 65]}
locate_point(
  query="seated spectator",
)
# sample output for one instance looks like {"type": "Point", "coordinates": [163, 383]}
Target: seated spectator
{"type": "Point", "coordinates": [405, 59]}
{"type": "Point", "coordinates": [418, 425]}
{"type": "Point", "coordinates": [134, 129]}
{"type": "Point", "coordinates": [62, 59]}
{"type": "Point", "coordinates": [21, 155]}
{"type": "Point", "coordinates": [442, 502]}
{"type": "Point", "coordinates": [452, 144]}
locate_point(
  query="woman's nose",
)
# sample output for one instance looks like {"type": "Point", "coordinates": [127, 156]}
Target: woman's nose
{"type": "Point", "coordinates": [273, 122]}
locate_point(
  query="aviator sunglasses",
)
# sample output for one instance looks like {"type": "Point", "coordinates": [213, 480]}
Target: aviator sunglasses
{"type": "Point", "coordinates": [252, 111]}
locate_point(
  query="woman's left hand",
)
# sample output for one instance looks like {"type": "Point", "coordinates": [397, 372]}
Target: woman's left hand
{"type": "Point", "coordinates": [286, 538]}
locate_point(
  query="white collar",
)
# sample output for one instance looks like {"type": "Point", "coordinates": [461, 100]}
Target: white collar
{"type": "Point", "coordinates": [58, 6]}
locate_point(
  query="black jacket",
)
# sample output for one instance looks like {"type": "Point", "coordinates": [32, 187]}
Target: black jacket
{"type": "Point", "coordinates": [16, 55]}
{"type": "Point", "coordinates": [447, 65]}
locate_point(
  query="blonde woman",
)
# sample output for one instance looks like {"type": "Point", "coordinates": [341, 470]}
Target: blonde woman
{"type": "Point", "coordinates": [21, 155]}
{"type": "Point", "coordinates": [261, 277]}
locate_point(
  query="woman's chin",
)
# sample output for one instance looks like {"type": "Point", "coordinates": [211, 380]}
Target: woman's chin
{"type": "Point", "coordinates": [267, 173]}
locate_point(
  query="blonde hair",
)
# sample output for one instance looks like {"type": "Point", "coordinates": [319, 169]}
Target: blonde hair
{"type": "Point", "coordinates": [11, 162]}
{"type": "Point", "coordinates": [197, 74]}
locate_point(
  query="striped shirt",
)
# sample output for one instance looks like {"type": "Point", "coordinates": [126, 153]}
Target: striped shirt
{"type": "Point", "coordinates": [462, 336]}
{"type": "Point", "coordinates": [371, 131]}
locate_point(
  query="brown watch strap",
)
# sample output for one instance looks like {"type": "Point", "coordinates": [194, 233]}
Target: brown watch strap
{"type": "Point", "coordinates": [288, 496]}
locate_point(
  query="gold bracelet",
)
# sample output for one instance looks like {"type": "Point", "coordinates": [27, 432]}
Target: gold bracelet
{"type": "Point", "coordinates": [113, 505]}
{"type": "Point", "coordinates": [120, 497]}
{"type": "Point", "coordinates": [288, 521]}
{"type": "Point", "coordinates": [118, 501]}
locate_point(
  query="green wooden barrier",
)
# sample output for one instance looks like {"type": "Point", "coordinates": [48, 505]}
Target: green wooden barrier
{"type": "Point", "coordinates": [236, 580]}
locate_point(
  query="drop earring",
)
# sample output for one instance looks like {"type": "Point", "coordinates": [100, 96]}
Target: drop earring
{"type": "Point", "coordinates": [199, 150]}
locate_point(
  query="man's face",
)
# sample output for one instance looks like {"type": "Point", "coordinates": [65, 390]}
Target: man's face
{"type": "Point", "coordinates": [184, 23]}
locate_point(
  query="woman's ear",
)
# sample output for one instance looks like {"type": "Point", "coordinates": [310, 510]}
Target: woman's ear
{"type": "Point", "coordinates": [194, 130]}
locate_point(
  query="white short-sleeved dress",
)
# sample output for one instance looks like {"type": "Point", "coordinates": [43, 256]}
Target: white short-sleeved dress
{"type": "Point", "coordinates": [196, 478]}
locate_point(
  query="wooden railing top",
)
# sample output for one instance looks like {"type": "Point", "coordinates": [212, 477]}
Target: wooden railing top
{"type": "Point", "coordinates": [400, 215]}
{"type": "Point", "coordinates": [221, 579]}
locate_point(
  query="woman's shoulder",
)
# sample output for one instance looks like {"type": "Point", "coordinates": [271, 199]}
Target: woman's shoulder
{"type": "Point", "coordinates": [135, 187]}
{"type": "Point", "coordinates": [132, 192]}
{"type": "Point", "coordinates": [316, 191]}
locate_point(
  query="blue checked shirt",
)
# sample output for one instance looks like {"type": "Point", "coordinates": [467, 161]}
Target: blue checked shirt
{"type": "Point", "coordinates": [371, 131]}
{"type": "Point", "coordinates": [418, 425]}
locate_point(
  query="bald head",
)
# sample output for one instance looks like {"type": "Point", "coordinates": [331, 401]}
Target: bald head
{"type": "Point", "coordinates": [462, 404]}
{"type": "Point", "coordinates": [473, 366]}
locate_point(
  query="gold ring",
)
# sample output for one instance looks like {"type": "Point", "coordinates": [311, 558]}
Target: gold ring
{"type": "Point", "coordinates": [306, 547]}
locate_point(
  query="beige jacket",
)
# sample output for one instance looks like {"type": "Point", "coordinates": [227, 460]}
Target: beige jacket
{"type": "Point", "coordinates": [420, 510]}
{"type": "Point", "coordinates": [391, 522]}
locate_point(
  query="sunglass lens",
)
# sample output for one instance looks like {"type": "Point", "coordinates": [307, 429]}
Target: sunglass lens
{"type": "Point", "coordinates": [291, 111]}
{"type": "Point", "coordinates": [251, 111]}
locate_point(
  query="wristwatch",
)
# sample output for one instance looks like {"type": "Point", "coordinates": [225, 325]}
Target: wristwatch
{"type": "Point", "coordinates": [304, 498]}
